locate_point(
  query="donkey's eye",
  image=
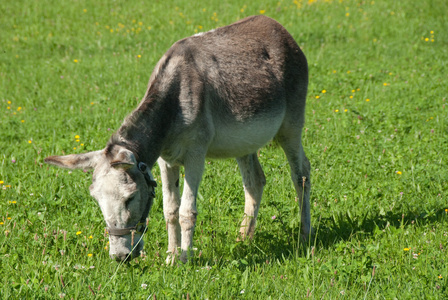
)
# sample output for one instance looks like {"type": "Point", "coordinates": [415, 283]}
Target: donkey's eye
{"type": "Point", "coordinates": [129, 200]}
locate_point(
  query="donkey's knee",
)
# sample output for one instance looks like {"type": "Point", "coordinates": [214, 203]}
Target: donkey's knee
{"type": "Point", "coordinates": [171, 214]}
{"type": "Point", "coordinates": [187, 220]}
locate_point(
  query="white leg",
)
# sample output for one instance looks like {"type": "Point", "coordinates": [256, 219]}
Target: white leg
{"type": "Point", "coordinates": [194, 167]}
{"type": "Point", "coordinates": [254, 181]}
{"type": "Point", "coordinates": [171, 203]}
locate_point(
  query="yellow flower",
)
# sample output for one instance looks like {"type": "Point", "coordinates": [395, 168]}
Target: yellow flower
{"type": "Point", "coordinates": [1, 223]}
{"type": "Point", "coordinates": [9, 218]}
{"type": "Point", "coordinates": [347, 14]}
{"type": "Point", "coordinates": [351, 97]}
{"type": "Point", "coordinates": [77, 136]}
{"type": "Point", "coordinates": [30, 141]}
{"type": "Point", "coordinates": [90, 237]}
{"type": "Point", "coordinates": [139, 56]}
{"type": "Point", "coordinates": [440, 276]}
{"type": "Point", "coordinates": [9, 102]}
{"type": "Point", "coordinates": [385, 84]}
{"type": "Point", "coordinates": [431, 32]}
{"type": "Point", "coordinates": [336, 110]}
{"type": "Point", "coordinates": [406, 249]}
{"type": "Point", "coordinates": [1, 181]}
{"type": "Point", "coordinates": [78, 232]}
{"type": "Point", "coordinates": [8, 107]}
{"type": "Point", "coordinates": [84, 10]}
{"type": "Point", "coordinates": [23, 121]}
{"type": "Point", "coordinates": [324, 91]}
{"type": "Point", "coordinates": [75, 60]}
{"type": "Point", "coordinates": [398, 172]}
{"type": "Point", "coordinates": [353, 91]}
{"type": "Point", "coordinates": [426, 39]}
{"type": "Point", "coordinates": [317, 97]}
{"type": "Point", "coordinates": [19, 108]}
{"type": "Point", "coordinates": [345, 110]}
{"type": "Point", "coordinates": [262, 11]}
{"type": "Point", "coordinates": [367, 100]}
{"type": "Point", "coordinates": [90, 255]}
{"type": "Point", "coordinates": [12, 202]}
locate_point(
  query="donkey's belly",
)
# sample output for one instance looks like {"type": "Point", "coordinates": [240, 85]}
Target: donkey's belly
{"type": "Point", "coordinates": [239, 139]}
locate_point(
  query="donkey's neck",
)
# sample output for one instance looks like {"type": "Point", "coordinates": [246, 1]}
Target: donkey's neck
{"type": "Point", "coordinates": [145, 129]}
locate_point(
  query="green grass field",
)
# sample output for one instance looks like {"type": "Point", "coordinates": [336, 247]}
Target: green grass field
{"type": "Point", "coordinates": [376, 135]}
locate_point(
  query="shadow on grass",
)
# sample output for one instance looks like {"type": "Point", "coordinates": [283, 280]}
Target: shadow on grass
{"type": "Point", "coordinates": [330, 231]}
{"type": "Point", "coordinates": [342, 227]}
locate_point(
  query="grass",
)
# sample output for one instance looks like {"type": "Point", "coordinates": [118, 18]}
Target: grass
{"type": "Point", "coordinates": [376, 135]}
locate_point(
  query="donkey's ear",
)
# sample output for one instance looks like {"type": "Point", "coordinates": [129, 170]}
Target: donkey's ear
{"type": "Point", "coordinates": [75, 161]}
{"type": "Point", "coordinates": [120, 157]}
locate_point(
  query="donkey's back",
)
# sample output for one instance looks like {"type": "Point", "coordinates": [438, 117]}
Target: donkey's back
{"type": "Point", "coordinates": [238, 86]}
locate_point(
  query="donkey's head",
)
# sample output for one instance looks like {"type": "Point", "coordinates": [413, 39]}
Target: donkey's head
{"type": "Point", "coordinates": [124, 190]}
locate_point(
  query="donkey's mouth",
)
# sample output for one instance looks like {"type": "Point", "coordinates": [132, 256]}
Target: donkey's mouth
{"type": "Point", "coordinates": [126, 257]}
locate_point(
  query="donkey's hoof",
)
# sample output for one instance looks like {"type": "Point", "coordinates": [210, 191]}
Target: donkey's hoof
{"type": "Point", "coordinates": [306, 235]}
{"type": "Point", "coordinates": [187, 255]}
{"type": "Point", "coordinates": [171, 257]}
{"type": "Point", "coordinates": [184, 257]}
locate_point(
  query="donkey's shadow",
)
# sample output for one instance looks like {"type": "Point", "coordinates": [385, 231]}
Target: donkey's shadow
{"type": "Point", "coordinates": [329, 231]}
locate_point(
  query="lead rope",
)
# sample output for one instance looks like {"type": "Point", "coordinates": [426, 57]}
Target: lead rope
{"type": "Point", "coordinates": [130, 253]}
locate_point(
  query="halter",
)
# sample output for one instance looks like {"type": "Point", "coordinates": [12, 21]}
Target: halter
{"type": "Point", "coordinates": [140, 227]}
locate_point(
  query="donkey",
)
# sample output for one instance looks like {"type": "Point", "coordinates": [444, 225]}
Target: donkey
{"type": "Point", "coordinates": [220, 94]}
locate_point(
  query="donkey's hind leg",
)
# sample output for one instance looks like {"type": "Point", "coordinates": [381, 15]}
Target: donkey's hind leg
{"type": "Point", "coordinates": [300, 175]}
{"type": "Point", "coordinates": [254, 181]}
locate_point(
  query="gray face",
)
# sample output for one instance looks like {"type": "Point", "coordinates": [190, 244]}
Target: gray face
{"type": "Point", "coordinates": [122, 195]}
{"type": "Point", "coordinates": [121, 191]}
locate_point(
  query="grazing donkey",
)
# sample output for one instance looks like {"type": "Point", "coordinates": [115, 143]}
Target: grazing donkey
{"type": "Point", "coordinates": [223, 93]}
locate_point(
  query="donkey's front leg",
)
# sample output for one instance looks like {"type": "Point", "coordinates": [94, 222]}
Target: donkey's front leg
{"type": "Point", "coordinates": [171, 203]}
{"type": "Point", "coordinates": [194, 167]}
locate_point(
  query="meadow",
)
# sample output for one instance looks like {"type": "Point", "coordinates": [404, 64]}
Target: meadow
{"type": "Point", "coordinates": [376, 135]}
